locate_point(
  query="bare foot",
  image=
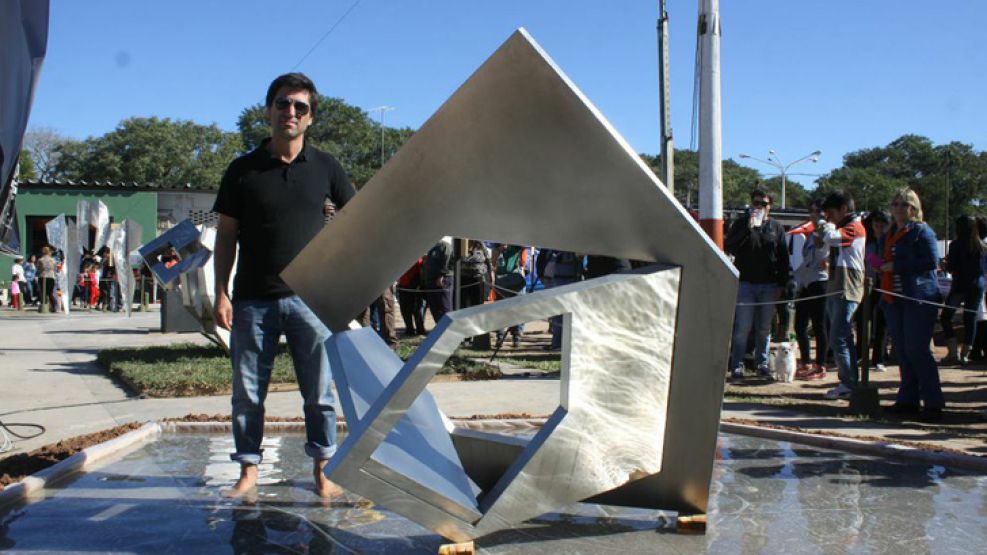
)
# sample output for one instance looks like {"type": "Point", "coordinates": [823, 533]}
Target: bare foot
{"type": "Point", "coordinates": [245, 485]}
{"type": "Point", "coordinates": [323, 487]}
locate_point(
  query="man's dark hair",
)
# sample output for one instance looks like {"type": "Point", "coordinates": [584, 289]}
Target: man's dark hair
{"type": "Point", "coordinates": [293, 81]}
{"type": "Point", "coordinates": [763, 194]}
{"type": "Point", "coordinates": [838, 199]}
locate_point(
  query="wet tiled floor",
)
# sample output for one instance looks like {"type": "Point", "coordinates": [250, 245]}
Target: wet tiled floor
{"type": "Point", "coordinates": [767, 497]}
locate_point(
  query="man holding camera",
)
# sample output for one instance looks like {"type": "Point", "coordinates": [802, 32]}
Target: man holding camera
{"type": "Point", "coordinates": [757, 244]}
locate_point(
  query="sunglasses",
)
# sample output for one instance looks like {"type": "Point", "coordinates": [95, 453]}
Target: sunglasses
{"type": "Point", "coordinates": [760, 204]}
{"type": "Point", "coordinates": [898, 203]}
{"type": "Point", "coordinates": [301, 108]}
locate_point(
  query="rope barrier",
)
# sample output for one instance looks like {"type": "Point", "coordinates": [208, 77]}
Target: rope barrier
{"type": "Point", "coordinates": [464, 286]}
{"type": "Point", "coordinates": [799, 300]}
{"type": "Point", "coordinates": [877, 289]}
{"type": "Point", "coordinates": [921, 301]}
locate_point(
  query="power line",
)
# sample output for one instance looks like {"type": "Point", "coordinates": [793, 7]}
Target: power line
{"type": "Point", "coordinates": [331, 29]}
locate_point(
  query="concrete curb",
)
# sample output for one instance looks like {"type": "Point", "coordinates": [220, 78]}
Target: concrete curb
{"type": "Point", "coordinates": [893, 451]}
{"type": "Point", "coordinates": [30, 486]}
{"type": "Point", "coordinates": [221, 427]}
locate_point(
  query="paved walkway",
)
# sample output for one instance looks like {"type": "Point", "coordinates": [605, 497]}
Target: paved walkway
{"type": "Point", "coordinates": [48, 377]}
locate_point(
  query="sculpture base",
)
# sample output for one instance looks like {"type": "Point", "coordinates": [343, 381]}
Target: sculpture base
{"type": "Point", "coordinates": [691, 524]}
{"type": "Point", "coordinates": [464, 548]}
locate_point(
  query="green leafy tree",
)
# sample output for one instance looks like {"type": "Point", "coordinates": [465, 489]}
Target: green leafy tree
{"type": "Point", "coordinates": [347, 132]}
{"type": "Point", "coordinates": [25, 171]}
{"type": "Point", "coordinates": [151, 150]}
{"type": "Point", "coordinates": [950, 179]}
{"type": "Point", "coordinates": [738, 181]}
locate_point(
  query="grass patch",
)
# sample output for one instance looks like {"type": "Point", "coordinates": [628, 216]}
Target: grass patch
{"type": "Point", "coordinates": [182, 370]}
{"type": "Point", "coordinates": [549, 365]}
{"type": "Point", "coordinates": [466, 367]}
{"type": "Point", "coordinates": [189, 370]}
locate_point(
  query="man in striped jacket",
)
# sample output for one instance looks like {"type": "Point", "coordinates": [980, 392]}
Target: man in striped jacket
{"type": "Point", "coordinates": [844, 233]}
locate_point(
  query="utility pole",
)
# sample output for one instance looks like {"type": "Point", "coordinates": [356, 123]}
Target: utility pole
{"type": "Point", "coordinates": [667, 147]}
{"type": "Point", "coordinates": [949, 185]}
{"type": "Point", "coordinates": [710, 123]}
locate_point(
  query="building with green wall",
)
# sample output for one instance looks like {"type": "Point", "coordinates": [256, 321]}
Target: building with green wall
{"type": "Point", "coordinates": [37, 203]}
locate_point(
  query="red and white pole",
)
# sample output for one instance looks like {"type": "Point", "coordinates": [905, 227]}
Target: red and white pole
{"type": "Point", "coordinates": [710, 123]}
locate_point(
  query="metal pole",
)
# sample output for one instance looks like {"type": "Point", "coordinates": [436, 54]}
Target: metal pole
{"type": "Point", "coordinates": [710, 124]}
{"type": "Point", "coordinates": [949, 171]}
{"type": "Point", "coordinates": [782, 188]}
{"type": "Point", "coordinates": [865, 398]}
{"type": "Point", "coordinates": [667, 146]}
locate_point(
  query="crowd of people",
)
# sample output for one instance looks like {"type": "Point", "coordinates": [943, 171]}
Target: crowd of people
{"type": "Point", "coordinates": [841, 260]}
{"type": "Point", "coordinates": [34, 282]}
{"type": "Point", "coordinates": [487, 272]}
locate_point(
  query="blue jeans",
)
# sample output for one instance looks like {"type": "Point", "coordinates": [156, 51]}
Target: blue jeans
{"type": "Point", "coordinates": [758, 317]}
{"type": "Point", "coordinates": [840, 312]}
{"type": "Point", "coordinates": [257, 327]}
{"type": "Point", "coordinates": [910, 325]}
{"type": "Point", "coordinates": [555, 322]}
{"type": "Point", "coordinates": [971, 302]}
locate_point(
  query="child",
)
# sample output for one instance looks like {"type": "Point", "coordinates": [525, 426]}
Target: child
{"type": "Point", "coordinates": [92, 282]}
{"type": "Point", "coordinates": [15, 294]}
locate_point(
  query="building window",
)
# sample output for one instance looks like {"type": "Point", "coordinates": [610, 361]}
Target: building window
{"type": "Point", "coordinates": [207, 217]}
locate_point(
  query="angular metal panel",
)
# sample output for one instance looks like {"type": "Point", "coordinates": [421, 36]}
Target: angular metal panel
{"type": "Point", "coordinates": [417, 456]}
{"type": "Point", "coordinates": [606, 433]}
{"type": "Point", "coordinates": [133, 234]}
{"type": "Point", "coordinates": [57, 230]}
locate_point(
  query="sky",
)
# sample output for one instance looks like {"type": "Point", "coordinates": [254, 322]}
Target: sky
{"type": "Point", "coordinates": [797, 75]}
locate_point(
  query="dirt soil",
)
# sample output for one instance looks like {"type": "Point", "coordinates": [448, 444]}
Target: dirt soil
{"type": "Point", "coordinates": [16, 467]}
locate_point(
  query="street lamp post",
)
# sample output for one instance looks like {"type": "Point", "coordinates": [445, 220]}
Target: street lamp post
{"type": "Point", "coordinates": [382, 110]}
{"type": "Point", "coordinates": [774, 161]}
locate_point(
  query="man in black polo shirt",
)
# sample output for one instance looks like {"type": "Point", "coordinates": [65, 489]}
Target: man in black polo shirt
{"type": "Point", "coordinates": [272, 202]}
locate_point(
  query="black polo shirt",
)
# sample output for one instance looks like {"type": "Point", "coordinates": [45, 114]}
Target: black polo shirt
{"type": "Point", "coordinates": [280, 208]}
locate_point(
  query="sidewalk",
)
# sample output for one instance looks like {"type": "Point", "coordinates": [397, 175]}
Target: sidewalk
{"type": "Point", "coordinates": [48, 377]}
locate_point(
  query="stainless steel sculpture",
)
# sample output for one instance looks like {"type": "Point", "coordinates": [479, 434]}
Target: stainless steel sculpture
{"type": "Point", "coordinates": [92, 213]}
{"type": "Point", "coordinates": [87, 213]}
{"type": "Point", "coordinates": [519, 155]}
{"type": "Point", "coordinates": [183, 240]}
{"type": "Point", "coordinates": [606, 432]}
{"type": "Point", "coordinates": [193, 246]}
{"type": "Point", "coordinates": [198, 291]}
{"type": "Point", "coordinates": [124, 240]}
{"type": "Point", "coordinates": [58, 236]}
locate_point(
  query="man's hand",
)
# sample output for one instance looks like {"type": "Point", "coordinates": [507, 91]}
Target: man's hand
{"type": "Point", "coordinates": [223, 312]}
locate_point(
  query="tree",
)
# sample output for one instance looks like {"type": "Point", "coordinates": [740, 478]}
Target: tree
{"type": "Point", "coordinates": [950, 179]}
{"type": "Point", "coordinates": [42, 143]}
{"type": "Point", "coordinates": [738, 181]}
{"type": "Point", "coordinates": [151, 150]}
{"type": "Point", "coordinates": [345, 131]}
{"type": "Point", "coordinates": [25, 171]}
